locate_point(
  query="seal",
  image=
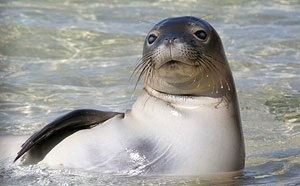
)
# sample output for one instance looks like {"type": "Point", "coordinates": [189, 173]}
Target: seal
{"type": "Point", "coordinates": [186, 121]}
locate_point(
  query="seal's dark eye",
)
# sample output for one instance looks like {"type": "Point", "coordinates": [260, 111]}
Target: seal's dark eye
{"type": "Point", "coordinates": [151, 38]}
{"type": "Point", "coordinates": [201, 34]}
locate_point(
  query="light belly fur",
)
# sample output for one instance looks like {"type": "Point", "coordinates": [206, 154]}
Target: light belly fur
{"type": "Point", "coordinates": [195, 136]}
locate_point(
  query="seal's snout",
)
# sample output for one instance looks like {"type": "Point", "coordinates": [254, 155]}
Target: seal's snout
{"type": "Point", "coordinates": [168, 41]}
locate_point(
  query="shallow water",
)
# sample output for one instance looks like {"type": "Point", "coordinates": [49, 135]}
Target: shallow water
{"type": "Point", "coordinates": [57, 56]}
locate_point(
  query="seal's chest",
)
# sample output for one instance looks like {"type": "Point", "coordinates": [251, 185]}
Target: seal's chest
{"type": "Point", "coordinates": [187, 120]}
{"type": "Point", "coordinates": [195, 135]}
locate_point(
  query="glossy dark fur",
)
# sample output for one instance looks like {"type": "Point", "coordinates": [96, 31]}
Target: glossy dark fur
{"type": "Point", "coordinates": [43, 141]}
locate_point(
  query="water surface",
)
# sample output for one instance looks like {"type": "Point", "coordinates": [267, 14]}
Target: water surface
{"type": "Point", "coordinates": [57, 56]}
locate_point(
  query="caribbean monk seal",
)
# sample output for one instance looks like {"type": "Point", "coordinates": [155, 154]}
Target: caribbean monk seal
{"type": "Point", "coordinates": [186, 121]}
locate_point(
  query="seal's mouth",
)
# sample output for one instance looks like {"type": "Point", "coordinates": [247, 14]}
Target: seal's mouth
{"type": "Point", "coordinates": [173, 63]}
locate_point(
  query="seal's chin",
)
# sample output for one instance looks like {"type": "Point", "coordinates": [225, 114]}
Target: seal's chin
{"type": "Point", "coordinates": [176, 72]}
{"type": "Point", "coordinates": [178, 78]}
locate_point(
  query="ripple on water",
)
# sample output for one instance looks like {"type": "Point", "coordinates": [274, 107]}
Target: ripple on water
{"type": "Point", "coordinates": [61, 55]}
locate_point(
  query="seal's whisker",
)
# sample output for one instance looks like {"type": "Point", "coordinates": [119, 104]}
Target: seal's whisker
{"type": "Point", "coordinates": [213, 68]}
{"type": "Point", "coordinates": [207, 16]}
{"type": "Point", "coordinates": [210, 57]}
{"type": "Point", "coordinates": [211, 63]}
{"type": "Point", "coordinates": [206, 70]}
{"type": "Point", "coordinates": [141, 67]}
{"type": "Point", "coordinates": [221, 76]}
{"type": "Point", "coordinates": [142, 72]}
{"type": "Point", "coordinates": [140, 63]}
{"type": "Point", "coordinates": [201, 74]}
{"type": "Point", "coordinates": [152, 69]}
{"type": "Point", "coordinates": [218, 87]}
{"type": "Point", "coordinates": [216, 79]}
{"type": "Point", "coordinates": [145, 21]}
{"type": "Point", "coordinates": [143, 59]}
{"type": "Point", "coordinates": [147, 74]}
{"type": "Point", "coordinates": [138, 68]}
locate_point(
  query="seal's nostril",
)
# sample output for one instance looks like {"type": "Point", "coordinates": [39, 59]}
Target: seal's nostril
{"type": "Point", "coordinates": [170, 40]}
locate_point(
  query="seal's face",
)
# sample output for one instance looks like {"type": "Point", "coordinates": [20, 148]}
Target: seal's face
{"type": "Point", "coordinates": [184, 56]}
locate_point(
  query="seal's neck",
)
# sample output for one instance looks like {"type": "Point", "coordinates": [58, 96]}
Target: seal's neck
{"type": "Point", "coordinates": [189, 101]}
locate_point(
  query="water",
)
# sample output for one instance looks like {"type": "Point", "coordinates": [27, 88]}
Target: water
{"type": "Point", "coordinates": [57, 56]}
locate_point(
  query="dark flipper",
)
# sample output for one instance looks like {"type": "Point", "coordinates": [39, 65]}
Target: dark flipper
{"type": "Point", "coordinates": [43, 141]}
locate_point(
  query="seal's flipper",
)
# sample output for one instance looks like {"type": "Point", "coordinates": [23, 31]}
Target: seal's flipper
{"type": "Point", "coordinates": [43, 141]}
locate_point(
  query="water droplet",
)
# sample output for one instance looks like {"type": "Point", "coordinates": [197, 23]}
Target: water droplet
{"type": "Point", "coordinates": [228, 86]}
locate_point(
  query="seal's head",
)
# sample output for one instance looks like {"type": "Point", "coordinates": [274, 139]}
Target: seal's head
{"type": "Point", "coordinates": [185, 56]}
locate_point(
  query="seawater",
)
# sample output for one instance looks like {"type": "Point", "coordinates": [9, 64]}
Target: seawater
{"type": "Point", "coordinates": [57, 56]}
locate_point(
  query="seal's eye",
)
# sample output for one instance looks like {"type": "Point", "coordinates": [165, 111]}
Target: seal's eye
{"type": "Point", "coordinates": [201, 34]}
{"type": "Point", "coordinates": [151, 38]}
